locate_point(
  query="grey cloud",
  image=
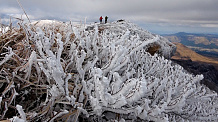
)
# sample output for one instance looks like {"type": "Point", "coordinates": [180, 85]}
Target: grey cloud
{"type": "Point", "coordinates": [202, 13]}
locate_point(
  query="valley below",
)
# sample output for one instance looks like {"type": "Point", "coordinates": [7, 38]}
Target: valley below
{"type": "Point", "coordinates": [204, 44]}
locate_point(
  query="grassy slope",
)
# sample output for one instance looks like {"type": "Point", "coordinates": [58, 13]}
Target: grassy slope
{"type": "Point", "coordinates": [183, 52]}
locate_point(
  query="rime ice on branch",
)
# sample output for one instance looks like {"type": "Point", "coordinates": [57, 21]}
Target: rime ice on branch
{"type": "Point", "coordinates": [107, 69]}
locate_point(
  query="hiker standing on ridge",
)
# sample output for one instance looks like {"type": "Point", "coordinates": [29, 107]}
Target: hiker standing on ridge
{"type": "Point", "coordinates": [101, 19]}
{"type": "Point", "coordinates": [106, 19]}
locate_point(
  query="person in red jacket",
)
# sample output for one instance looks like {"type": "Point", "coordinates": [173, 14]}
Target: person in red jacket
{"type": "Point", "coordinates": [101, 19]}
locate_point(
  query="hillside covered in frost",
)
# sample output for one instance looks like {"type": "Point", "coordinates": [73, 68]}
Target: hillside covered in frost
{"type": "Point", "coordinates": [55, 71]}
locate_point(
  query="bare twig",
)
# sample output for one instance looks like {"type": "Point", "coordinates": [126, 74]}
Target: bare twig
{"type": "Point", "coordinates": [0, 22]}
{"type": "Point", "coordinates": [23, 10]}
{"type": "Point", "coordinates": [10, 24]}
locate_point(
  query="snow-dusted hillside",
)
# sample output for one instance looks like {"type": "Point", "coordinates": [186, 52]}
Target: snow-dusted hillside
{"type": "Point", "coordinates": [100, 72]}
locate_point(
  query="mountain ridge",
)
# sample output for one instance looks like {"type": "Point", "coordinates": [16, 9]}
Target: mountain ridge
{"type": "Point", "coordinates": [187, 33]}
{"type": "Point", "coordinates": [109, 72]}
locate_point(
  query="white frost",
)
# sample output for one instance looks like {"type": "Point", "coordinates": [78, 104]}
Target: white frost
{"type": "Point", "coordinates": [21, 112]}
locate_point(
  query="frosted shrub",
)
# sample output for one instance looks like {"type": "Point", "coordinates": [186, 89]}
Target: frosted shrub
{"type": "Point", "coordinates": [102, 74]}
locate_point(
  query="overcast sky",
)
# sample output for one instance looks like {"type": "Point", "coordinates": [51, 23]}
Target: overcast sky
{"type": "Point", "coordinates": [157, 16]}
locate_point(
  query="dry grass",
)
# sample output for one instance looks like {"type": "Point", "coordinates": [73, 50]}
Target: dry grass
{"type": "Point", "coordinates": [28, 90]}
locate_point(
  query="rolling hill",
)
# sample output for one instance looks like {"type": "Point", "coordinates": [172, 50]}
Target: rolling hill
{"type": "Point", "coordinates": [205, 44]}
{"type": "Point", "coordinates": [184, 53]}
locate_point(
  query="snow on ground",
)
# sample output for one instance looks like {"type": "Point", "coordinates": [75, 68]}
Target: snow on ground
{"type": "Point", "coordinates": [42, 23]}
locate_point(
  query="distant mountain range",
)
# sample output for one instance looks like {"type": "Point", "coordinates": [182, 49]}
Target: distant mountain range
{"type": "Point", "coordinates": [205, 44]}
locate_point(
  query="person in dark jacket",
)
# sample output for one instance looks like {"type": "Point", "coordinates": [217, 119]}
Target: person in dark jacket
{"type": "Point", "coordinates": [101, 19]}
{"type": "Point", "coordinates": [106, 19]}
